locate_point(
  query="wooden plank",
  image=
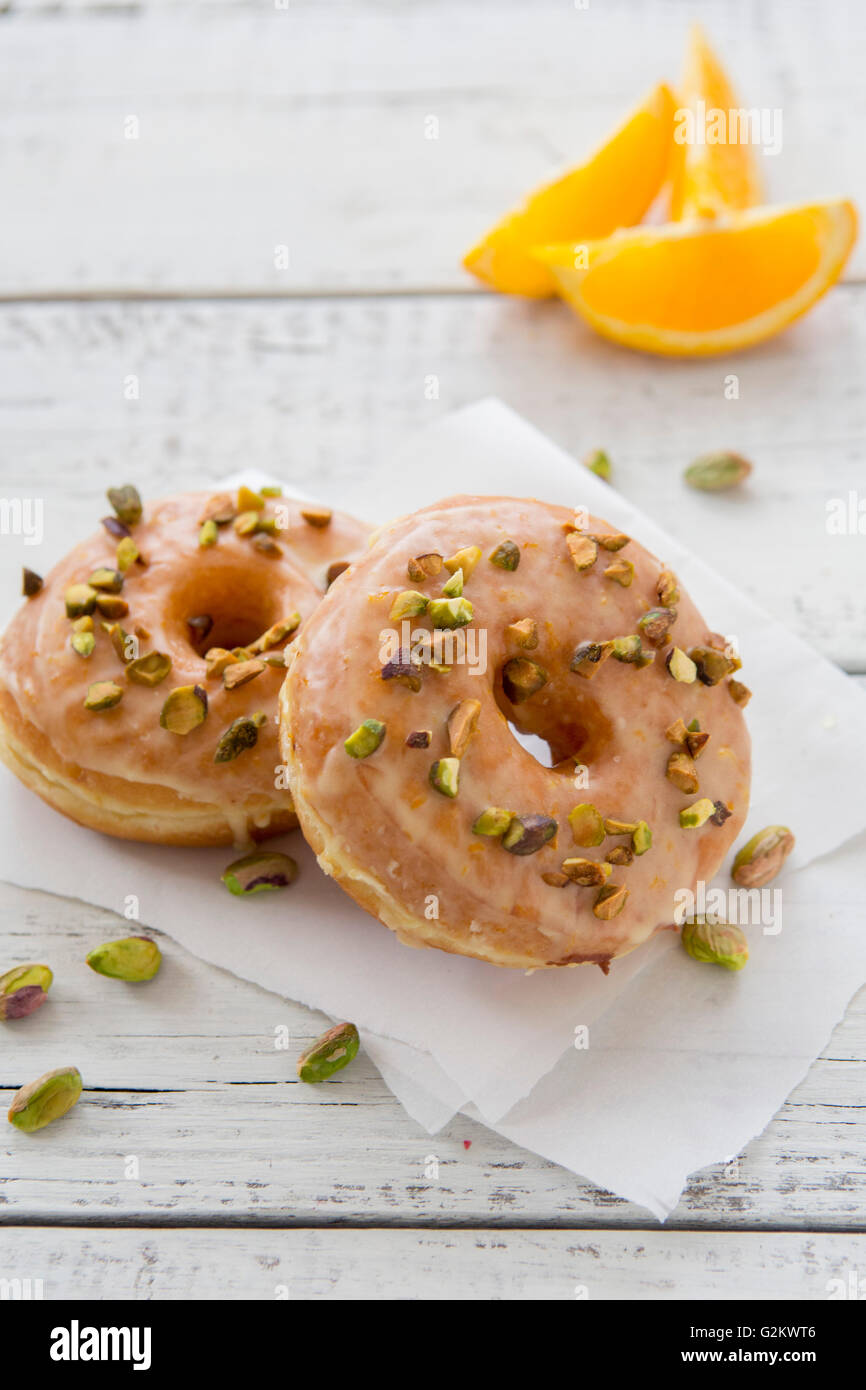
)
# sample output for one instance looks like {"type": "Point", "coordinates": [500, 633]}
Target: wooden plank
{"type": "Point", "coordinates": [184, 1077]}
{"type": "Point", "coordinates": [430, 1265]}
{"type": "Point", "coordinates": [325, 392]}
{"type": "Point", "coordinates": [308, 126]}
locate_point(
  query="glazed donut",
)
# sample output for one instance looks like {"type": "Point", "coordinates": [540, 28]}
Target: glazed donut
{"type": "Point", "coordinates": [138, 682]}
{"type": "Point", "coordinates": [414, 791]}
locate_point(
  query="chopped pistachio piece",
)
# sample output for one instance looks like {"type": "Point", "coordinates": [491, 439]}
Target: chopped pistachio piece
{"type": "Point", "coordinates": [450, 612]}
{"type": "Point", "coordinates": [263, 872]}
{"type": "Point", "coordinates": [522, 678]}
{"type": "Point", "coordinates": [680, 666]}
{"type": "Point", "coordinates": [120, 641]}
{"type": "Point", "coordinates": [115, 527]}
{"type": "Point", "coordinates": [84, 624]}
{"type": "Point", "coordinates": [716, 472]}
{"type": "Point", "coordinates": [739, 693]}
{"type": "Point", "coordinates": [267, 546]}
{"type": "Point", "coordinates": [329, 1053]}
{"type": "Point", "coordinates": [199, 628]}
{"type": "Point", "coordinates": [366, 739]}
{"type": "Point", "coordinates": [425, 567]}
{"type": "Point", "coordinates": [217, 659]}
{"type": "Point", "coordinates": [246, 523]}
{"type": "Point", "coordinates": [523, 633]}
{"type": "Point", "coordinates": [462, 723]}
{"type": "Point", "coordinates": [149, 670]}
{"type": "Point", "coordinates": [615, 540]}
{"type": "Point", "coordinates": [408, 604]}
{"type": "Point", "coordinates": [621, 572]}
{"type": "Point", "coordinates": [275, 634]}
{"type": "Point", "coordinates": [134, 959]}
{"type": "Point", "coordinates": [761, 858]}
{"type": "Point", "coordinates": [587, 825]}
{"type": "Point", "coordinates": [598, 463]}
{"type": "Point", "coordinates": [667, 589]}
{"type": "Point", "coordinates": [80, 599]}
{"type": "Point", "coordinates": [696, 743]}
{"type": "Point", "coordinates": [404, 670]}
{"type": "Point", "coordinates": [528, 834]}
{"type": "Point", "coordinates": [464, 560]}
{"type": "Point", "coordinates": [620, 854]}
{"type": "Point", "coordinates": [677, 732]}
{"type": "Point", "coordinates": [242, 671]}
{"type": "Point", "coordinates": [711, 665]}
{"type": "Point", "coordinates": [589, 657]}
{"type": "Point", "coordinates": [494, 821]}
{"type": "Point", "coordinates": [715, 943]}
{"type": "Point", "coordinates": [583, 550]}
{"type": "Point", "coordinates": [108, 580]}
{"type": "Point", "coordinates": [506, 555]}
{"type": "Point", "coordinates": [272, 490]}
{"type": "Point", "coordinates": [335, 569]}
{"type": "Point", "coordinates": [656, 624]}
{"type": "Point", "coordinates": [83, 643]}
{"type": "Point", "coordinates": [126, 503]}
{"type": "Point", "coordinates": [445, 776]}
{"type": "Point", "coordinates": [454, 587]}
{"type": "Point", "coordinates": [112, 606]}
{"type": "Point", "coordinates": [694, 726]}
{"type": "Point", "coordinates": [722, 813]}
{"type": "Point", "coordinates": [220, 509]}
{"type": "Point", "coordinates": [628, 650]}
{"type": "Point", "coordinates": [126, 554]}
{"type": "Point", "coordinates": [184, 710]}
{"type": "Point", "coordinates": [320, 517]}
{"type": "Point", "coordinates": [45, 1099]}
{"type": "Point", "coordinates": [556, 880]}
{"type": "Point", "coordinates": [642, 838]}
{"type": "Point", "coordinates": [23, 976]}
{"type": "Point", "coordinates": [241, 734]}
{"type": "Point", "coordinates": [610, 901]}
{"type": "Point", "coordinates": [249, 501]}
{"type": "Point", "coordinates": [681, 771]}
{"type": "Point", "coordinates": [103, 695]}
{"type": "Point", "coordinates": [419, 738]}
{"type": "Point", "coordinates": [697, 814]}
{"type": "Point", "coordinates": [208, 534]}
{"type": "Point", "coordinates": [31, 582]}
{"type": "Point", "coordinates": [589, 873]}
{"type": "Point", "coordinates": [619, 827]}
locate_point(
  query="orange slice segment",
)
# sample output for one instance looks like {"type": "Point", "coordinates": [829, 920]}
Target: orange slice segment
{"type": "Point", "coordinates": [691, 289]}
{"type": "Point", "coordinates": [710, 175]}
{"type": "Point", "coordinates": [613, 189]}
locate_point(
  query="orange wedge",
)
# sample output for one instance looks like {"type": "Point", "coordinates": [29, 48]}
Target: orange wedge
{"type": "Point", "coordinates": [710, 176]}
{"type": "Point", "coordinates": [613, 189]}
{"type": "Point", "coordinates": [695, 288]}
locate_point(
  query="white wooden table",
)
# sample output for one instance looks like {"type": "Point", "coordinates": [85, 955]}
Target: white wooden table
{"type": "Point", "coordinates": [257, 127]}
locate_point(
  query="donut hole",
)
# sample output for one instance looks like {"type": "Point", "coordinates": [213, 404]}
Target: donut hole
{"type": "Point", "coordinates": [240, 610]}
{"type": "Point", "coordinates": [558, 725]}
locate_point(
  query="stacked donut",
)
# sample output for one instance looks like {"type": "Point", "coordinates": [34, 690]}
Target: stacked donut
{"type": "Point", "coordinates": [405, 699]}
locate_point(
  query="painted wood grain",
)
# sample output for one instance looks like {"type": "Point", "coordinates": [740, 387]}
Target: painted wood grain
{"type": "Point", "coordinates": [149, 147]}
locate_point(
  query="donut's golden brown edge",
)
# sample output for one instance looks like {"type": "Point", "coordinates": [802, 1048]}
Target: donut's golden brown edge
{"type": "Point", "coordinates": [406, 853]}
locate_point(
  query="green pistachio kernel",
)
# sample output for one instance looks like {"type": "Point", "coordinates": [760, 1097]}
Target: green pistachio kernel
{"type": "Point", "coordinates": [506, 555]}
{"type": "Point", "coordinates": [126, 554]}
{"type": "Point", "coordinates": [103, 695]}
{"type": "Point", "coordinates": [522, 678]}
{"type": "Point", "coordinates": [598, 463]}
{"type": "Point", "coordinates": [208, 533]}
{"type": "Point", "coordinates": [454, 587]}
{"type": "Point", "coordinates": [273, 490]}
{"type": "Point", "coordinates": [529, 834]}
{"type": "Point", "coordinates": [642, 838]}
{"type": "Point", "coordinates": [112, 606]}
{"type": "Point", "coordinates": [588, 873]}
{"type": "Point", "coordinates": [494, 821]}
{"type": "Point", "coordinates": [329, 1053]}
{"type": "Point", "coordinates": [24, 976]}
{"type": "Point", "coordinates": [450, 612]}
{"type": "Point", "coordinates": [715, 943]}
{"type": "Point", "coordinates": [627, 649]}
{"type": "Point", "coordinates": [184, 709]}
{"type": "Point", "coordinates": [107, 580]}
{"type": "Point", "coordinates": [697, 814]}
{"type": "Point", "coordinates": [716, 472]}
{"type": "Point", "coordinates": [680, 666]}
{"type": "Point", "coordinates": [45, 1099]}
{"type": "Point", "coordinates": [241, 734]}
{"type": "Point", "coordinates": [134, 958]}
{"type": "Point", "coordinates": [80, 600]}
{"type": "Point", "coordinates": [656, 624]}
{"type": "Point", "coordinates": [445, 776]}
{"type": "Point", "coordinates": [126, 503]}
{"type": "Point", "coordinates": [464, 560]}
{"type": "Point", "coordinates": [263, 872]}
{"type": "Point", "coordinates": [366, 739]}
{"type": "Point", "coordinates": [248, 500]}
{"type": "Point", "coordinates": [149, 670]}
{"type": "Point", "coordinates": [711, 665]}
{"type": "Point", "coordinates": [31, 582]}
{"type": "Point", "coordinates": [621, 572]}
{"type": "Point", "coordinates": [587, 825]}
{"type": "Point", "coordinates": [408, 604]}
{"type": "Point", "coordinates": [762, 857]}
{"type": "Point", "coordinates": [610, 901]}
{"type": "Point", "coordinates": [83, 643]}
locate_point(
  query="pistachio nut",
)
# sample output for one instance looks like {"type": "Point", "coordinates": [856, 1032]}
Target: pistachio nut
{"type": "Point", "coordinates": [80, 599]}
{"type": "Point", "coordinates": [149, 670]}
{"type": "Point", "coordinates": [239, 672]}
{"type": "Point", "coordinates": [642, 838]}
{"type": "Point", "coordinates": [691, 817]}
{"type": "Point", "coordinates": [126, 503]}
{"type": "Point", "coordinates": [404, 670]}
{"type": "Point", "coordinates": [621, 572]}
{"type": "Point", "coordinates": [620, 854]}
{"type": "Point", "coordinates": [680, 666]}
{"type": "Point", "coordinates": [716, 472]}
{"type": "Point", "coordinates": [522, 678]}
{"type": "Point", "coordinates": [450, 612]}
{"type": "Point", "coordinates": [241, 734]}
{"type": "Point", "coordinates": [739, 693]}
{"type": "Point", "coordinates": [134, 958]}
{"type": "Point", "coordinates": [425, 567]}
{"type": "Point", "coordinates": [556, 880]}
{"type": "Point", "coordinates": [208, 534]}
{"type": "Point", "coordinates": [263, 872]}
{"type": "Point", "coordinates": [107, 580]}
{"type": "Point", "coordinates": [715, 943]}
{"type": "Point", "coordinates": [267, 546]}
{"type": "Point", "coordinates": [667, 589]}
{"type": "Point", "coordinates": [506, 556]}
{"type": "Point", "coordinates": [419, 738]}
{"type": "Point", "coordinates": [583, 551]}
{"type": "Point", "coordinates": [523, 633]}
{"type": "Point", "coordinates": [681, 771]}
{"type": "Point", "coordinates": [320, 517]}
{"type": "Point", "coordinates": [126, 554]}
{"type": "Point", "coordinates": [445, 776]}
{"type": "Point", "coordinates": [628, 650]}
{"type": "Point", "coordinates": [761, 858]}
{"type": "Point", "coordinates": [721, 813]}
{"type": "Point", "coordinates": [83, 643]}
{"type": "Point", "coordinates": [598, 463]}
{"type": "Point", "coordinates": [217, 659]}
{"type": "Point", "coordinates": [677, 733]}
{"type": "Point", "coordinates": [25, 977]}
{"type": "Point", "coordinates": [220, 509]}
{"type": "Point", "coordinates": [272, 490]}
{"type": "Point", "coordinates": [494, 821]}
{"type": "Point", "coordinates": [528, 834]}
{"type": "Point", "coordinates": [614, 540]}
{"type": "Point", "coordinates": [589, 656]}
{"type": "Point", "coordinates": [184, 709]}
{"type": "Point", "coordinates": [45, 1099]}
{"type": "Point", "coordinates": [249, 500]}
{"type": "Point", "coordinates": [124, 646]}
{"type": "Point", "coordinates": [454, 587]}
{"type": "Point", "coordinates": [589, 873]}
{"type": "Point", "coordinates": [656, 624]}
{"type": "Point", "coordinates": [199, 627]}
{"type": "Point", "coordinates": [246, 523]}
{"type": "Point", "coordinates": [711, 665]}
{"type": "Point", "coordinates": [462, 723]}
{"type": "Point", "coordinates": [21, 1002]}
{"type": "Point", "coordinates": [408, 604]}
{"type": "Point", "coordinates": [696, 742]}
{"type": "Point", "coordinates": [275, 634]}
{"type": "Point", "coordinates": [103, 695]}
{"type": "Point", "coordinates": [115, 527]}
{"type": "Point", "coordinates": [366, 739]}
{"type": "Point", "coordinates": [610, 901]}
{"type": "Point", "coordinates": [31, 582]}
{"type": "Point", "coordinates": [619, 827]}
{"type": "Point", "coordinates": [112, 606]}
{"type": "Point", "coordinates": [587, 825]}
{"type": "Point", "coordinates": [329, 1053]}
{"type": "Point", "coordinates": [334, 570]}
{"type": "Point", "coordinates": [465, 560]}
